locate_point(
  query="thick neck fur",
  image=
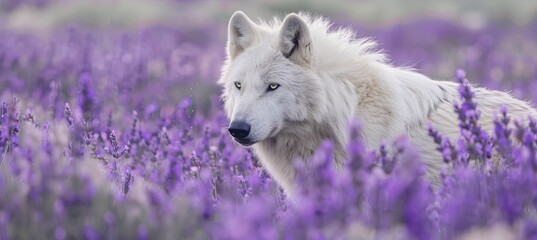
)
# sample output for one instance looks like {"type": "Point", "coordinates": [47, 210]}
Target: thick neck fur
{"type": "Point", "coordinates": [391, 102]}
{"type": "Point", "coordinates": [297, 142]}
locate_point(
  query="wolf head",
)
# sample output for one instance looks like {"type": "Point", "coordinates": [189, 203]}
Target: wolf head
{"type": "Point", "coordinates": [267, 79]}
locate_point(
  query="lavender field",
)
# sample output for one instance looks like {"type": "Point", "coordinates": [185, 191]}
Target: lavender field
{"type": "Point", "coordinates": [120, 134]}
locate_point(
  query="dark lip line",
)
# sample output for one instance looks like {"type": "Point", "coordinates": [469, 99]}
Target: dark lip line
{"type": "Point", "coordinates": [248, 143]}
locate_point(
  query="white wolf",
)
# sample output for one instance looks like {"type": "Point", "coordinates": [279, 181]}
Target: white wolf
{"type": "Point", "coordinates": [289, 85]}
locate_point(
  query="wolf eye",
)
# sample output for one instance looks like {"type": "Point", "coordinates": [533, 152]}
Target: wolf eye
{"type": "Point", "coordinates": [238, 85]}
{"type": "Point", "coordinates": [273, 86]}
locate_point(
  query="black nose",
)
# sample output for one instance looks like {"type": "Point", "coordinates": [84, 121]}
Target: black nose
{"type": "Point", "coordinates": [239, 129]}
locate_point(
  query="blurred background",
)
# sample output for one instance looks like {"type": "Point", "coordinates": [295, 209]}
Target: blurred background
{"type": "Point", "coordinates": [45, 16]}
{"type": "Point", "coordinates": [178, 46]}
{"type": "Point", "coordinates": [41, 15]}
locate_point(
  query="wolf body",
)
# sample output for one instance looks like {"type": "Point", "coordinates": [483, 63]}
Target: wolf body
{"type": "Point", "coordinates": [288, 85]}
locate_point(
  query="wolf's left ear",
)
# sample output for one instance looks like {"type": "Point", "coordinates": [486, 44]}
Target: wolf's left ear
{"type": "Point", "coordinates": [295, 39]}
{"type": "Point", "coordinates": [241, 33]}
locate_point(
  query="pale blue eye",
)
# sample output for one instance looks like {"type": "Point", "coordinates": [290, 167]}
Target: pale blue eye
{"type": "Point", "coordinates": [273, 86]}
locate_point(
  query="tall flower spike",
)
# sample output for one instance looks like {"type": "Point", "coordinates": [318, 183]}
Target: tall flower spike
{"type": "Point", "coordinates": [11, 122]}
{"type": "Point", "coordinates": [444, 146]}
{"type": "Point", "coordinates": [4, 114]}
{"type": "Point", "coordinates": [87, 98]}
{"type": "Point", "coordinates": [475, 143]}
{"type": "Point", "coordinates": [502, 134]}
{"type": "Point", "coordinates": [68, 115]}
{"type": "Point", "coordinates": [4, 128]}
{"type": "Point", "coordinates": [115, 150]}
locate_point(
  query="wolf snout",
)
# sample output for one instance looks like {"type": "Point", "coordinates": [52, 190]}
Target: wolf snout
{"type": "Point", "coordinates": [239, 129]}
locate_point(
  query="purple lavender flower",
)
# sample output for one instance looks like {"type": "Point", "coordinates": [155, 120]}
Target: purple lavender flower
{"type": "Point", "coordinates": [477, 143]}
{"type": "Point", "coordinates": [127, 181]}
{"type": "Point", "coordinates": [68, 115]}
{"type": "Point", "coordinates": [115, 150]}
{"type": "Point", "coordinates": [4, 129]}
{"type": "Point", "coordinates": [143, 234]}
{"type": "Point", "coordinates": [4, 225]}
{"type": "Point", "coordinates": [502, 135]}
{"type": "Point", "coordinates": [90, 233]}
{"type": "Point", "coordinates": [87, 98]}
{"type": "Point", "coordinates": [449, 152]}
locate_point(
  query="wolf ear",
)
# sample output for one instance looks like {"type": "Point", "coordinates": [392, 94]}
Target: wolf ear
{"type": "Point", "coordinates": [241, 33]}
{"type": "Point", "coordinates": [295, 39]}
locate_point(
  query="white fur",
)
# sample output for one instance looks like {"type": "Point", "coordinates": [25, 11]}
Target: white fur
{"type": "Point", "coordinates": [330, 78]}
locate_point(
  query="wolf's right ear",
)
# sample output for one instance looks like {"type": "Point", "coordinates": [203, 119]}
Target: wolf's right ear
{"type": "Point", "coordinates": [241, 33]}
